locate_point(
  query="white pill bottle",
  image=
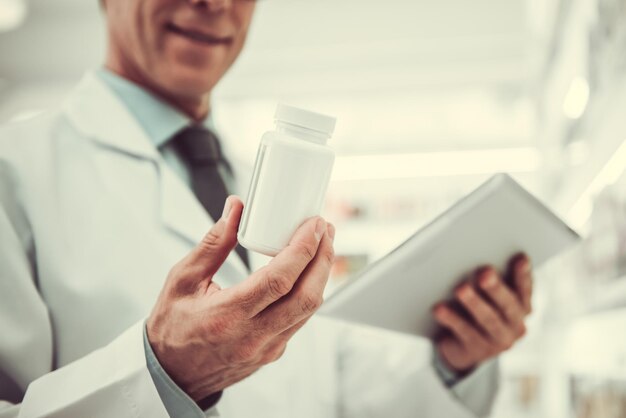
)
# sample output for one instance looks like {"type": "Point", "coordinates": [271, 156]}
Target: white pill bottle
{"type": "Point", "coordinates": [290, 178]}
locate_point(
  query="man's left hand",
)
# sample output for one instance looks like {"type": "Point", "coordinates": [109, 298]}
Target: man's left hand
{"type": "Point", "coordinates": [497, 311]}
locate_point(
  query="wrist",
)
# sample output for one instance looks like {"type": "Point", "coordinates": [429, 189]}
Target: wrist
{"type": "Point", "coordinates": [448, 373]}
{"type": "Point", "coordinates": [210, 401]}
{"type": "Point", "coordinates": [168, 359]}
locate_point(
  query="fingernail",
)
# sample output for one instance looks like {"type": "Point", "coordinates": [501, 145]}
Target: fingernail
{"type": "Point", "coordinates": [227, 207]}
{"type": "Point", "coordinates": [527, 267]}
{"type": "Point", "coordinates": [464, 292]}
{"type": "Point", "coordinates": [320, 227]}
{"type": "Point", "coordinates": [440, 312]}
{"type": "Point", "coordinates": [331, 231]}
{"type": "Point", "coordinates": [489, 280]}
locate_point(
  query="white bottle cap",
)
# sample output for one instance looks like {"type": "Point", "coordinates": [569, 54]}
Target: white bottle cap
{"type": "Point", "coordinates": [305, 118]}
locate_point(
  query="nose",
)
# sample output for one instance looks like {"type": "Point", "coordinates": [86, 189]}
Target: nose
{"type": "Point", "coordinates": [211, 5]}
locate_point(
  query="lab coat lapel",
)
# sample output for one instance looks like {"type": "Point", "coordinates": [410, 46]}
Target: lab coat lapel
{"type": "Point", "coordinates": [99, 115]}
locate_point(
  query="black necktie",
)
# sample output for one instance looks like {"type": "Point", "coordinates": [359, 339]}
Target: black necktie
{"type": "Point", "coordinates": [200, 149]}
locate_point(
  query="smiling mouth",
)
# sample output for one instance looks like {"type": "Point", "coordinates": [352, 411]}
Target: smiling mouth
{"type": "Point", "coordinates": [199, 36]}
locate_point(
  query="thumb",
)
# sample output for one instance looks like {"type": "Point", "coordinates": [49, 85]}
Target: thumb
{"type": "Point", "coordinates": [221, 239]}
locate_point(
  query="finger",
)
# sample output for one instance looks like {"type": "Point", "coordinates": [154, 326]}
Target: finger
{"type": "Point", "coordinates": [275, 346]}
{"type": "Point", "coordinates": [459, 327]}
{"type": "Point", "coordinates": [275, 349]}
{"type": "Point", "coordinates": [209, 255]}
{"type": "Point", "coordinates": [501, 296]}
{"type": "Point", "coordinates": [221, 238]}
{"type": "Point", "coordinates": [273, 352]}
{"type": "Point", "coordinates": [275, 280]}
{"type": "Point", "coordinates": [307, 294]}
{"type": "Point", "coordinates": [290, 332]}
{"type": "Point", "coordinates": [484, 315]}
{"type": "Point", "coordinates": [523, 280]}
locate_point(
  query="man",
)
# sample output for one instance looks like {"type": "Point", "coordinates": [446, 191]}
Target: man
{"type": "Point", "coordinates": [100, 199]}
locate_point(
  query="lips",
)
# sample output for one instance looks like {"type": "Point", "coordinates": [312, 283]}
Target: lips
{"type": "Point", "coordinates": [199, 36]}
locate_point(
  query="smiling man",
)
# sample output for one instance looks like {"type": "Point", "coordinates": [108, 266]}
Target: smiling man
{"type": "Point", "coordinates": [178, 53]}
{"type": "Point", "coordinates": [120, 292]}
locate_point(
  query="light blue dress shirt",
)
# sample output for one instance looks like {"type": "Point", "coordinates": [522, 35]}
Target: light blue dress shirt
{"type": "Point", "coordinates": [161, 122]}
{"type": "Point", "coordinates": [158, 119]}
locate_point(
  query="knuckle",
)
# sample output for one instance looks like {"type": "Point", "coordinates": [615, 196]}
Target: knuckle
{"type": "Point", "coordinates": [247, 352]}
{"type": "Point", "coordinates": [511, 308]}
{"type": "Point", "coordinates": [278, 283]}
{"type": "Point", "coordinates": [488, 352]}
{"type": "Point", "coordinates": [175, 276]}
{"type": "Point", "coordinates": [489, 348]}
{"type": "Point", "coordinates": [310, 302]}
{"type": "Point", "coordinates": [244, 304]}
{"type": "Point", "coordinates": [176, 270]}
{"type": "Point", "coordinates": [266, 359]}
{"type": "Point", "coordinates": [210, 242]}
{"type": "Point", "coordinates": [274, 354]}
{"type": "Point", "coordinates": [305, 249]}
{"type": "Point", "coordinates": [504, 345]}
{"type": "Point", "coordinates": [279, 353]}
{"type": "Point", "coordinates": [180, 271]}
{"type": "Point", "coordinates": [504, 334]}
{"type": "Point", "coordinates": [329, 256]}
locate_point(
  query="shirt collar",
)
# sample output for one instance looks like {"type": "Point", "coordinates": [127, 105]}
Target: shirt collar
{"type": "Point", "coordinates": [159, 119]}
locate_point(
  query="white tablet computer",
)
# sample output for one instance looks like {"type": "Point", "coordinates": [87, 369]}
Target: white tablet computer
{"type": "Point", "coordinates": [487, 227]}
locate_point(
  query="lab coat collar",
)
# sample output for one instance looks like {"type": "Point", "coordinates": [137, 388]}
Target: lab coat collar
{"type": "Point", "coordinates": [98, 114]}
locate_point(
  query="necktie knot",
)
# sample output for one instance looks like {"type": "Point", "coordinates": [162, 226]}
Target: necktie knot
{"type": "Point", "coordinates": [198, 145]}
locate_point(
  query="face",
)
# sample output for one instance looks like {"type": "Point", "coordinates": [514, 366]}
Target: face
{"type": "Point", "coordinates": [181, 48]}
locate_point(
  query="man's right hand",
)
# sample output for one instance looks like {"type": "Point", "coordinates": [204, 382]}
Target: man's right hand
{"type": "Point", "coordinates": [207, 338]}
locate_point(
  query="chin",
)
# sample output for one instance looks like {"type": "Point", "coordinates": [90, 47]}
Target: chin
{"type": "Point", "coordinates": [189, 84]}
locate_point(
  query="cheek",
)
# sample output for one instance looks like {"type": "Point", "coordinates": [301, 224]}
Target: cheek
{"type": "Point", "coordinates": [146, 35]}
{"type": "Point", "coordinates": [233, 53]}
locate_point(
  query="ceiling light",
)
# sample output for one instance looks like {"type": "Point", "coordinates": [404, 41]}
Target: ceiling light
{"type": "Point", "coordinates": [12, 14]}
{"type": "Point", "coordinates": [576, 98]}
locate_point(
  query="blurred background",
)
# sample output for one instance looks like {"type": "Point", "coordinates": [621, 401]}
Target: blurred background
{"type": "Point", "coordinates": [432, 97]}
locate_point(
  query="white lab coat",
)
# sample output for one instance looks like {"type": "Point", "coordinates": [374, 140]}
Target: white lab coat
{"type": "Point", "coordinates": [91, 220]}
